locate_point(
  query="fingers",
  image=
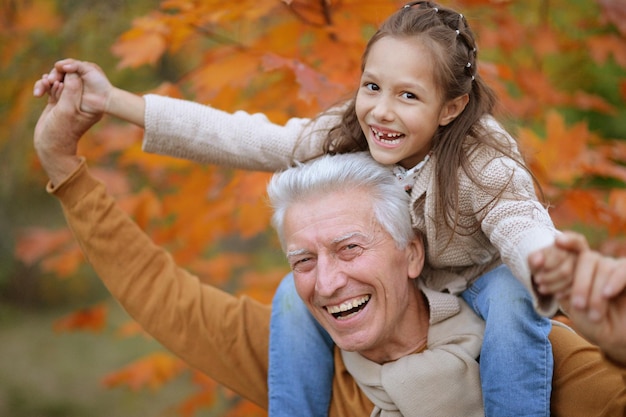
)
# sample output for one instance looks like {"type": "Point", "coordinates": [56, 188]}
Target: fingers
{"type": "Point", "coordinates": [72, 91]}
{"type": "Point", "coordinates": [598, 280]}
{"type": "Point", "coordinates": [616, 282]}
{"type": "Point", "coordinates": [571, 241]}
{"type": "Point", "coordinates": [583, 279]}
{"type": "Point", "coordinates": [553, 270]}
{"type": "Point", "coordinates": [55, 92]}
{"type": "Point", "coordinates": [56, 75]}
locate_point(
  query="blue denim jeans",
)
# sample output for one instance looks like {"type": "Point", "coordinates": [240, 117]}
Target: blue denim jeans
{"type": "Point", "coordinates": [516, 362]}
{"type": "Point", "coordinates": [301, 362]}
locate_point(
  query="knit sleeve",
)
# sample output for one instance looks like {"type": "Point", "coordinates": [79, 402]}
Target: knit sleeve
{"type": "Point", "coordinates": [201, 133]}
{"type": "Point", "coordinates": [513, 219]}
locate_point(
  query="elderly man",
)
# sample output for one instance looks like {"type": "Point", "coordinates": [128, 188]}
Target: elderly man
{"type": "Point", "coordinates": [401, 350]}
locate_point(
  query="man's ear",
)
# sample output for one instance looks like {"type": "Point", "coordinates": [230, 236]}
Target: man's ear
{"type": "Point", "coordinates": [452, 108]}
{"type": "Point", "coordinates": [415, 255]}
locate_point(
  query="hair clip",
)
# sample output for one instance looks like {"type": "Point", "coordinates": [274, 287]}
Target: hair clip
{"type": "Point", "coordinates": [458, 32]}
{"type": "Point", "coordinates": [460, 15]}
{"type": "Point", "coordinates": [436, 9]}
{"type": "Point", "coordinates": [468, 65]}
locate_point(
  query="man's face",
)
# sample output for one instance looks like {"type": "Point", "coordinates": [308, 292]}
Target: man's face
{"type": "Point", "coordinates": [350, 273]}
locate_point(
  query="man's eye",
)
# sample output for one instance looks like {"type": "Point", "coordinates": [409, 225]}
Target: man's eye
{"type": "Point", "coordinates": [351, 251]}
{"type": "Point", "coordinates": [302, 264]}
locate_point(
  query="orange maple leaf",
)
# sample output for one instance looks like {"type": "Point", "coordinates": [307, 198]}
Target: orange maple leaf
{"type": "Point", "coordinates": [90, 319]}
{"type": "Point", "coordinates": [313, 85]}
{"type": "Point", "coordinates": [143, 44]}
{"type": "Point", "coordinates": [151, 371]}
{"type": "Point", "coordinates": [560, 158]}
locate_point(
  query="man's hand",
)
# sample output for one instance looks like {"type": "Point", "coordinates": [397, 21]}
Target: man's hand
{"type": "Point", "coordinates": [598, 302]}
{"type": "Point", "coordinates": [596, 298]}
{"type": "Point", "coordinates": [60, 127]}
{"type": "Point", "coordinates": [96, 91]}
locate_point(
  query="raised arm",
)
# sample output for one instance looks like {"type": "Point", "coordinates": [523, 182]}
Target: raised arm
{"type": "Point", "coordinates": [221, 335]}
{"type": "Point", "coordinates": [200, 133]}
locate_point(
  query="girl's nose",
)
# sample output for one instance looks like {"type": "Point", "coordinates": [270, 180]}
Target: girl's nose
{"type": "Point", "coordinates": [383, 110]}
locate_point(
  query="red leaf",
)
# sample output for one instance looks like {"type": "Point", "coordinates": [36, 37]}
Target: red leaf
{"type": "Point", "coordinates": [89, 319]}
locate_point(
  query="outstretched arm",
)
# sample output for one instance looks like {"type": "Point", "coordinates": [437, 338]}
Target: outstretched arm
{"type": "Point", "coordinates": [219, 334]}
{"type": "Point", "coordinates": [200, 133]}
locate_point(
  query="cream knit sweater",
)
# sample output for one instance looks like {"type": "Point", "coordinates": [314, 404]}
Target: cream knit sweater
{"type": "Point", "coordinates": [512, 227]}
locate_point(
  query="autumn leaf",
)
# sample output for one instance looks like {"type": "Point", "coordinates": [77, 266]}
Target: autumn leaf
{"type": "Point", "coordinates": [246, 408]}
{"type": "Point", "coordinates": [205, 397]}
{"type": "Point", "coordinates": [560, 157]}
{"type": "Point", "coordinates": [64, 263]}
{"type": "Point", "coordinates": [131, 328]}
{"type": "Point", "coordinates": [151, 372]}
{"type": "Point", "coordinates": [86, 319]}
{"type": "Point", "coordinates": [144, 44]}
{"type": "Point", "coordinates": [312, 83]}
{"type": "Point", "coordinates": [35, 243]}
{"type": "Point", "coordinates": [602, 47]}
{"type": "Point", "coordinates": [614, 11]}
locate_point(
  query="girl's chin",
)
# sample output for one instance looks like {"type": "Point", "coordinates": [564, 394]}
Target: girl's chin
{"type": "Point", "coordinates": [384, 156]}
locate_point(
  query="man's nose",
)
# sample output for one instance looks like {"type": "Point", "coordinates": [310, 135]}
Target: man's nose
{"type": "Point", "coordinates": [330, 276]}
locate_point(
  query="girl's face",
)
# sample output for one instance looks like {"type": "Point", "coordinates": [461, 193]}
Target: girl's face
{"type": "Point", "coordinates": [398, 103]}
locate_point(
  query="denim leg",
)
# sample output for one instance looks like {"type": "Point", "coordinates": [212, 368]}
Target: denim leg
{"type": "Point", "coordinates": [516, 362]}
{"type": "Point", "coordinates": [301, 363]}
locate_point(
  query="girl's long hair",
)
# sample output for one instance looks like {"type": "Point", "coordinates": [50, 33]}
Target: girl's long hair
{"type": "Point", "coordinates": [447, 35]}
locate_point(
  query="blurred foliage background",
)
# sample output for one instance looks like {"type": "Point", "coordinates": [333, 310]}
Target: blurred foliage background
{"type": "Point", "coordinates": [557, 65]}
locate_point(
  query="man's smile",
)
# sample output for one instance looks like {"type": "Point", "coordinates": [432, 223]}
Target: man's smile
{"type": "Point", "coordinates": [348, 308]}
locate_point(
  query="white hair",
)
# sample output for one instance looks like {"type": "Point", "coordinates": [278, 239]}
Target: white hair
{"type": "Point", "coordinates": [344, 173]}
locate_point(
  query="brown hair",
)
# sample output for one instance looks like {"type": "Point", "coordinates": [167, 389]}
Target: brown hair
{"type": "Point", "coordinates": [453, 50]}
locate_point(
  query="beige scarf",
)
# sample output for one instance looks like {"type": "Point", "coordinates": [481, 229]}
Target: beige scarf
{"type": "Point", "coordinates": [441, 381]}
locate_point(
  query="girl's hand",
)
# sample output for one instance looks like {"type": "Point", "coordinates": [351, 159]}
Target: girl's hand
{"type": "Point", "coordinates": [96, 89]}
{"type": "Point", "coordinates": [553, 269]}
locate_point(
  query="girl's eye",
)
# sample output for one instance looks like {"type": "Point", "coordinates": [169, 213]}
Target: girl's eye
{"type": "Point", "coordinates": [409, 96]}
{"type": "Point", "coordinates": [372, 86]}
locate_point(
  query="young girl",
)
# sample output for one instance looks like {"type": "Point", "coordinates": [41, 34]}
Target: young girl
{"type": "Point", "coordinates": [422, 106]}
